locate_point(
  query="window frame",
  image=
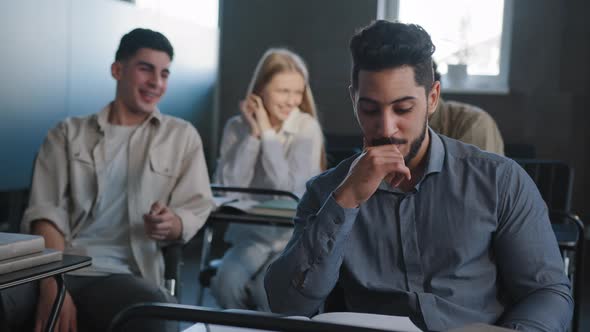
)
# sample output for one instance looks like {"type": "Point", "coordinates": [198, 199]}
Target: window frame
{"type": "Point", "coordinates": [480, 84]}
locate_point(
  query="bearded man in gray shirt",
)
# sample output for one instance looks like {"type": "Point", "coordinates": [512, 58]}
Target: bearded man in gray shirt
{"type": "Point", "coordinates": [419, 224]}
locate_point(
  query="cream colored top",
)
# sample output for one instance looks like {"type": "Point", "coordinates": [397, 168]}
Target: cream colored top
{"type": "Point", "coordinates": [166, 163]}
{"type": "Point", "coordinates": [468, 124]}
{"type": "Point", "coordinates": [282, 160]}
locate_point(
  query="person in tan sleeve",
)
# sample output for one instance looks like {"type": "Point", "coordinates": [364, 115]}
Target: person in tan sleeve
{"type": "Point", "coordinates": [466, 123]}
{"type": "Point", "coordinates": [116, 186]}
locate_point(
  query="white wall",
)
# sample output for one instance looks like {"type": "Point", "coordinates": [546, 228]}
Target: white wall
{"type": "Point", "coordinates": [56, 57]}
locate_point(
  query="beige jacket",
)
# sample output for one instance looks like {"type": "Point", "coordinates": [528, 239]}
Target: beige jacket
{"type": "Point", "coordinates": [166, 163]}
{"type": "Point", "coordinates": [468, 124]}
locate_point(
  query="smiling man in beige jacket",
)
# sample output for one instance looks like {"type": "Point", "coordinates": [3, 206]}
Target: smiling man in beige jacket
{"type": "Point", "coordinates": [116, 186]}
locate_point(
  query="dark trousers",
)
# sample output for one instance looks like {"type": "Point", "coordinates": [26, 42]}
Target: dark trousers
{"type": "Point", "coordinates": [97, 299]}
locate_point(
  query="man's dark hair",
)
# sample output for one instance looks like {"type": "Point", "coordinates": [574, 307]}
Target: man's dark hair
{"type": "Point", "coordinates": [383, 45]}
{"type": "Point", "coordinates": [437, 75]}
{"type": "Point", "coordinates": [142, 38]}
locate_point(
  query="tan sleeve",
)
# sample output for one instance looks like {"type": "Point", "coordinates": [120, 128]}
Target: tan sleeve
{"type": "Point", "coordinates": [191, 198]}
{"type": "Point", "coordinates": [484, 133]}
{"type": "Point", "coordinates": [49, 187]}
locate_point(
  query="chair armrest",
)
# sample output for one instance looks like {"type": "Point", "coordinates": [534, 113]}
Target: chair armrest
{"type": "Point", "coordinates": [560, 217]}
{"type": "Point", "coordinates": [172, 265]}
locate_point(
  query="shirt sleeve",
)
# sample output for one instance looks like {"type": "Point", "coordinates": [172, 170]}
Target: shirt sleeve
{"type": "Point", "coordinates": [238, 154]}
{"type": "Point", "coordinates": [530, 265]}
{"type": "Point", "coordinates": [483, 132]}
{"type": "Point", "coordinates": [191, 198]}
{"type": "Point", "coordinates": [301, 158]}
{"type": "Point", "coordinates": [298, 282]}
{"type": "Point", "coordinates": [49, 187]}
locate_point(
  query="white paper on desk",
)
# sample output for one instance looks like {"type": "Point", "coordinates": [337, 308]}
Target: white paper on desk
{"type": "Point", "coordinates": [222, 200]}
{"type": "Point", "coordinates": [237, 205]}
{"type": "Point", "coordinates": [480, 327]}
{"type": "Point", "coordinates": [200, 327]}
{"type": "Point", "coordinates": [383, 322]}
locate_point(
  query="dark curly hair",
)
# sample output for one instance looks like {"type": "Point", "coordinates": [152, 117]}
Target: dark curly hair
{"type": "Point", "coordinates": [437, 75]}
{"type": "Point", "coordinates": [142, 38]}
{"type": "Point", "coordinates": [383, 45]}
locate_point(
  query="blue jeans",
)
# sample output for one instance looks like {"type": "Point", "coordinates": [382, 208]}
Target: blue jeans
{"type": "Point", "coordinates": [239, 281]}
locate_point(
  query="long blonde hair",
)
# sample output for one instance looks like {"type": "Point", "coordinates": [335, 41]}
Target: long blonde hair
{"type": "Point", "coordinates": [279, 60]}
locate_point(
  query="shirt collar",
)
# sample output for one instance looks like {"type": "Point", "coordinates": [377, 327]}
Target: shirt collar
{"type": "Point", "coordinates": [103, 117]}
{"type": "Point", "coordinates": [434, 161]}
{"type": "Point", "coordinates": [291, 122]}
{"type": "Point", "coordinates": [436, 154]}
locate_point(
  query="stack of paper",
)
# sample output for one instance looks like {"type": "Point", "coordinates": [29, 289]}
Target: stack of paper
{"type": "Point", "coordinates": [22, 251]}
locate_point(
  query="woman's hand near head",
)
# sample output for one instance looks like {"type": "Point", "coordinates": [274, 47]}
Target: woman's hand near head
{"type": "Point", "coordinates": [260, 114]}
{"type": "Point", "coordinates": [248, 114]}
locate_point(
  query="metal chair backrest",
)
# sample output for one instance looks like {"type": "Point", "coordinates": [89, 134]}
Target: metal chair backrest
{"type": "Point", "coordinates": [571, 244]}
{"type": "Point", "coordinates": [554, 179]}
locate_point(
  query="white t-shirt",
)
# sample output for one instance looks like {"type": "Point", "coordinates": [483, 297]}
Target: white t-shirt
{"type": "Point", "coordinates": [106, 237]}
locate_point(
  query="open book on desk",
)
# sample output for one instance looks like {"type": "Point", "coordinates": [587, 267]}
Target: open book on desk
{"type": "Point", "coordinates": [23, 251]}
{"type": "Point", "coordinates": [45, 256]}
{"type": "Point", "coordinates": [15, 245]}
{"type": "Point", "coordinates": [390, 323]}
{"type": "Point", "coordinates": [375, 321]}
{"type": "Point", "coordinates": [273, 207]}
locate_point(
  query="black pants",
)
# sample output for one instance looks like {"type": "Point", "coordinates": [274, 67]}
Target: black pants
{"type": "Point", "coordinates": [97, 299]}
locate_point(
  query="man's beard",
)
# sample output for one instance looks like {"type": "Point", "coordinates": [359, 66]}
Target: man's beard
{"type": "Point", "coordinates": [414, 146]}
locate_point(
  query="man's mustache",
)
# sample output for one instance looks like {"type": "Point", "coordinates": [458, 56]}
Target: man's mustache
{"type": "Point", "coordinates": [387, 140]}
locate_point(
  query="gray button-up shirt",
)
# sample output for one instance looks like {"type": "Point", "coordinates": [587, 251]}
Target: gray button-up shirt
{"type": "Point", "coordinates": [471, 243]}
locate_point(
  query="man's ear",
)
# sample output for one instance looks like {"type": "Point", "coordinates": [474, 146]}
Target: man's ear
{"type": "Point", "coordinates": [433, 97]}
{"type": "Point", "coordinates": [116, 70]}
